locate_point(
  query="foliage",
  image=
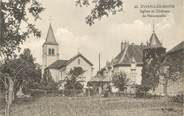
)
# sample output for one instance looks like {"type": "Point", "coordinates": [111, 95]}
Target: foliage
{"type": "Point", "coordinates": [73, 80]}
{"type": "Point", "coordinates": [152, 59]}
{"type": "Point", "coordinates": [178, 98]}
{"type": "Point", "coordinates": [141, 91]}
{"type": "Point", "coordinates": [172, 67]}
{"type": "Point", "coordinates": [26, 55]}
{"type": "Point", "coordinates": [47, 82]}
{"type": "Point", "coordinates": [120, 80]}
{"type": "Point", "coordinates": [15, 26]}
{"type": "Point", "coordinates": [23, 71]}
{"type": "Point", "coordinates": [100, 8]}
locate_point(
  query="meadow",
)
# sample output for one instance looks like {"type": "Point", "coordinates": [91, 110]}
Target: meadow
{"type": "Point", "coordinates": [94, 106]}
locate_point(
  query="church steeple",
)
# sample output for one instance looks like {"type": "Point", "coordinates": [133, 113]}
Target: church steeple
{"type": "Point", "coordinates": [50, 49]}
{"type": "Point", "coordinates": [50, 39]}
{"type": "Point", "coordinates": [154, 42]}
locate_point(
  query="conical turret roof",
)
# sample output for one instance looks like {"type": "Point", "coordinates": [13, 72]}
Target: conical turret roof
{"type": "Point", "coordinates": [50, 39]}
{"type": "Point", "coordinates": [154, 41]}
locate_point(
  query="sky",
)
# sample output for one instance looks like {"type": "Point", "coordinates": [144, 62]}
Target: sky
{"type": "Point", "coordinates": [105, 36]}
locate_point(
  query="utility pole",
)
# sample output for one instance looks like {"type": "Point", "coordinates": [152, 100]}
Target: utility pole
{"type": "Point", "coordinates": [99, 62]}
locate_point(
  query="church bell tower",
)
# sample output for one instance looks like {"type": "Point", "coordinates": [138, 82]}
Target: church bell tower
{"type": "Point", "coordinates": [50, 49]}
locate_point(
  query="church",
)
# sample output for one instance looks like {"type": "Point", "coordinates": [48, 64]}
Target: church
{"type": "Point", "coordinates": [56, 68]}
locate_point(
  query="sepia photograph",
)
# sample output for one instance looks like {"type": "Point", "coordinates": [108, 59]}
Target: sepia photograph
{"type": "Point", "coordinates": [91, 58]}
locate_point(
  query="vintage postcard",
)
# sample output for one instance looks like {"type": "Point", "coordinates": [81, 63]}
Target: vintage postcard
{"type": "Point", "coordinates": [91, 58]}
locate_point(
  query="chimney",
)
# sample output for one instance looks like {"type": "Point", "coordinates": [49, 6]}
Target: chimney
{"type": "Point", "coordinates": [124, 45]}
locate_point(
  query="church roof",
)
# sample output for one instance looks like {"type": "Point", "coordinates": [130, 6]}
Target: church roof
{"type": "Point", "coordinates": [63, 63]}
{"type": "Point", "coordinates": [58, 64]}
{"type": "Point", "coordinates": [154, 41]}
{"type": "Point", "coordinates": [132, 53]}
{"type": "Point", "coordinates": [80, 55]}
{"type": "Point", "coordinates": [178, 47]}
{"type": "Point", "coordinates": [50, 39]}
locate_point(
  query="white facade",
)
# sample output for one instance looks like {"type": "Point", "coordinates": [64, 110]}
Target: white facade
{"type": "Point", "coordinates": [84, 65]}
{"type": "Point", "coordinates": [60, 74]}
{"type": "Point", "coordinates": [134, 75]}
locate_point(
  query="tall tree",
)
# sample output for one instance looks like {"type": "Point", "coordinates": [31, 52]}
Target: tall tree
{"type": "Point", "coordinates": [73, 79]}
{"type": "Point", "coordinates": [152, 59]}
{"type": "Point", "coordinates": [15, 27]}
{"type": "Point", "coordinates": [26, 55]}
{"type": "Point", "coordinates": [16, 24]}
{"type": "Point", "coordinates": [100, 8]}
{"type": "Point", "coordinates": [17, 74]}
{"type": "Point", "coordinates": [120, 80]}
{"type": "Point", "coordinates": [22, 70]}
{"type": "Point", "coordinates": [172, 69]}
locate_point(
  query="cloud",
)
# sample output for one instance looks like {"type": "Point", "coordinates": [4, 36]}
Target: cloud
{"type": "Point", "coordinates": [70, 44]}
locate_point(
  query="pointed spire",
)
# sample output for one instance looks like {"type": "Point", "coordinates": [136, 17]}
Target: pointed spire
{"type": "Point", "coordinates": [154, 41]}
{"type": "Point", "coordinates": [50, 39]}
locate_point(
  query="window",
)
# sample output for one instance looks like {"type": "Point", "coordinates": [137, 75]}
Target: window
{"type": "Point", "coordinates": [50, 51]}
{"type": "Point", "coordinates": [53, 52]}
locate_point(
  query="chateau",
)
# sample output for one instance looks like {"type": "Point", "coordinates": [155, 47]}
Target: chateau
{"type": "Point", "coordinates": [56, 69]}
{"type": "Point", "coordinates": [130, 61]}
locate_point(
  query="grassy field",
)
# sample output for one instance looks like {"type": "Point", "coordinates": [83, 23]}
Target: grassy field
{"type": "Point", "coordinates": [94, 106]}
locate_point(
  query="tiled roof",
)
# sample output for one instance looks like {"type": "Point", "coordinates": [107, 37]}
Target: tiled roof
{"type": "Point", "coordinates": [50, 39]}
{"type": "Point", "coordinates": [130, 53]}
{"type": "Point", "coordinates": [178, 47]}
{"type": "Point", "coordinates": [62, 63]}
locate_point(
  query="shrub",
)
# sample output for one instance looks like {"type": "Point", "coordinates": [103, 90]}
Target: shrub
{"type": "Point", "coordinates": [120, 80]}
{"type": "Point", "coordinates": [73, 85]}
{"type": "Point", "coordinates": [178, 98]}
{"type": "Point", "coordinates": [141, 91]}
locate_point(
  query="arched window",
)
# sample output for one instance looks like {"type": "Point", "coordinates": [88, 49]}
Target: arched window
{"type": "Point", "coordinates": [53, 52]}
{"type": "Point", "coordinates": [50, 51]}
